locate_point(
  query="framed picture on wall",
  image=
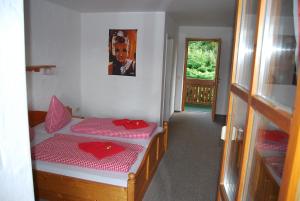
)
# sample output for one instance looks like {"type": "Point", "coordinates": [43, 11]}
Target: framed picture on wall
{"type": "Point", "coordinates": [122, 52]}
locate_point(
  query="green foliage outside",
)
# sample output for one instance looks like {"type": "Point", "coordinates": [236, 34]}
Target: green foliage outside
{"type": "Point", "coordinates": [202, 58]}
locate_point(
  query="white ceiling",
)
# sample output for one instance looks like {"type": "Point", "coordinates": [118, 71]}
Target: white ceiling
{"type": "Point", "coordinates": [184, 12]}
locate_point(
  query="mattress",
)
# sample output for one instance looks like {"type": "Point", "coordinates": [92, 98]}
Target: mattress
{"type": "Point", "coordinates": [107, 177]}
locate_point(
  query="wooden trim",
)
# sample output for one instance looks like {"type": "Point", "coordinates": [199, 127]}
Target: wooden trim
{"type": "Point", "coordinates": [246, 150]}
{"type": "Point", "coordinates": [184, 74]}
{"type": "Point", "coordinates": [166, 137]}
{"type": "Point", "coordinates": [37, 68]}
{"type": "Point", "coordinates": [240, 91]}
{"type": "Point", "coordinates": [281, 118]}
{"type": "Point", "coordinates": [223, 193]}
{"type": "Point", "coordinates": [290, 182]}
{"type": "Point", "coordinates": [200, 82]}
{"type": "Point", "coordinates": [204, 39]}
{"type": "Point", "coordinates": [131, 187]}
{"type": "Point", "coordinates": [36, 117]}
{"type": "Point", "coordinates": [216, 84]}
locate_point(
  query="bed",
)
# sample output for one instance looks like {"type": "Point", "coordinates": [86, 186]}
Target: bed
{"type": "Point", "coordinates": [55, 186]}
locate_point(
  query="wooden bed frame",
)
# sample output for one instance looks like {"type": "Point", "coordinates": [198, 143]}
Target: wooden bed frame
{"type": "Point", "coordinates": [51, 186]}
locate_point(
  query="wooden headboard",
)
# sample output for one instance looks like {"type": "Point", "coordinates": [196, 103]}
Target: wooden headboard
{"type": "Point", "coordinates": [37, 117]}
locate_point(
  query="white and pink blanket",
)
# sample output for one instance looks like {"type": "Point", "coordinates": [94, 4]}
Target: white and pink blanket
{"type": "Point", "coordinates": [64, 149]}
{"type": "Point", "coordinates": [105, 126]}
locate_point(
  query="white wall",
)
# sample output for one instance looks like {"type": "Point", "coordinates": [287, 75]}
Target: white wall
{"type": "Point", "coordinates": [53, 37]}
{"type": "Point", "coordinates": [122, 96]}
{"type": "Point", "coordinates": [168, 89]}
{"type": "Point", "coordinates": [225, 34]}
{"type": "Point", "coordinates": [15, 163]}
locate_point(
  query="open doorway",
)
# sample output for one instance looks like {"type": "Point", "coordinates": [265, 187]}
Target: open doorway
{"type": "Point", "coordinates": [200, 84]}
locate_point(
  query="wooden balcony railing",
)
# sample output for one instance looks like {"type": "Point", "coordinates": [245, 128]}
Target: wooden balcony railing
{"type": "Point", "coordinates": [199, 92]}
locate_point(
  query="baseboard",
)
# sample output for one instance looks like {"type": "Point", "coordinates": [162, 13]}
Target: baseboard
{"type": "Point", "coordinates": [221, 119]}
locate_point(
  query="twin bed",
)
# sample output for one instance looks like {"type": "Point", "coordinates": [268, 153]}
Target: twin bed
{"type": "Point", "coordinates": [62, 181]}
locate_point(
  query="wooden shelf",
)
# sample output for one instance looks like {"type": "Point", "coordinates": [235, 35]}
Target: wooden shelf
{"type": "Point", "coordinates": [37, 68]}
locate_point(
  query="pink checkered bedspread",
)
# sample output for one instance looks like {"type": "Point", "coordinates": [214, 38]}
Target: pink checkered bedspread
{"type": "Point", "coordinates": [105, 126]}
{"type": "Point", "coordinates": [64, 149]}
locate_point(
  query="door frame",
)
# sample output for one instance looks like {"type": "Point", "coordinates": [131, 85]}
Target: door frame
{"type": "Point", "coordinates": [184, 91]}
{"type": "Point", "coordinates": [167, 84]}
{"type": "Point", "coordinates": [163, 91]}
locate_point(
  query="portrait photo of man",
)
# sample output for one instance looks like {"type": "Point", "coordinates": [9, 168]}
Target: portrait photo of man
{"type": "Point", "coordinates": [122, 52]}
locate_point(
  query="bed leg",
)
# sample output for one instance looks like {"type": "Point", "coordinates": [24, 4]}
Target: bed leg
{"type": "Point", "coordinates": [131, 187]}
{"type": "Point", "coordinates": [166, 131]}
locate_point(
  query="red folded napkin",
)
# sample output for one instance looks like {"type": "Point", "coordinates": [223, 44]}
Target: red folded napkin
{"type": "Point", "coordinates": [101, 149]}
{"type": "Point", "coordinates": [130, 124]}
{"type": "Point", "coordinates": [120, 122]}
{"type": "Point", "coordinates": [134, 124]}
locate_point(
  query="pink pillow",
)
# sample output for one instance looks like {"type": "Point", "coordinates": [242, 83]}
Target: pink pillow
{"type": "Point", "coordinates": [57, 116]}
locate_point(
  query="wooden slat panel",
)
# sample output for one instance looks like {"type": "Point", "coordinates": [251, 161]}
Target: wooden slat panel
{"type": "Point", "coordinates": [59, 196]}
{"type": "Point", "coordinates": [50, 185]}
{"type": "Point", "coordinates": [153, 162]}
{"type": "Point", "coordinates": [141, 180]}
{"type": "Point", "coordinates": [199, 92]}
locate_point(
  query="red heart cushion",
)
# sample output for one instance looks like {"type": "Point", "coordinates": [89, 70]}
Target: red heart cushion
{"type": "Point", "coordinates": [101, 149]}
{"type": "Point", "coordinates": [135, 124]}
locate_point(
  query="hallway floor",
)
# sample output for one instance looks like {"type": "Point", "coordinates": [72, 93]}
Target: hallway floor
{"type": "Point", "coordinates": [197, 108]}
{"type": "Point", "coordinates": [189, 170]}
